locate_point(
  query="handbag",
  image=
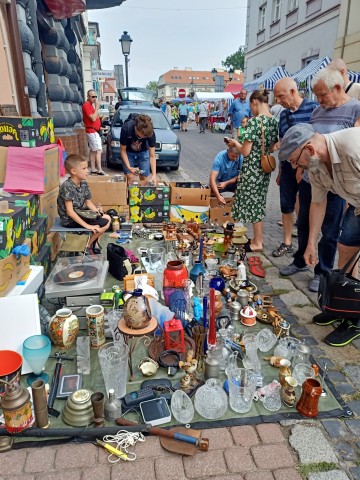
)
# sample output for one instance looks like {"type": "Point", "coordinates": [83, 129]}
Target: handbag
{"type": "Point", "coordinates": [339, 292]}
{"type": "Point", "coordinates": [87, 215]}
{"type": "Point", "coordinates": [268, 162]}
{"type": "Point", "coordinates": [119, 263]}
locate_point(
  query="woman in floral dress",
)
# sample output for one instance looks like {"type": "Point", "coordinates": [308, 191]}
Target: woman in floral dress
{"type": "Point", "coordinates": [253, 184]}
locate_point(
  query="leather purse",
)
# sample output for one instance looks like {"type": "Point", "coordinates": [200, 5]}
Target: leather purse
{"type": "Point", "coordinates": [87, 215]}
{"type": "Point", "coordinates": [268, 162]}
{"type": "Point", "coordinates": [339, 292]}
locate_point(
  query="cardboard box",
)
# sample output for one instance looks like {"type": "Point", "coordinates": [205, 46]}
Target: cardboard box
{"type": "Point", "coordinates": [122, 210]}
{"type": "Point", "coordinates": [221, 214]}
{"type": "Point", "coordinates": [182, 213]}
{"type": "Point", "coordinates": [27, 200]}
{"type": "Point", "coordinates": [37, 234]}
{"type": "Point", "coordinates": [48, 206]}
{"type": "Point", "coordinates": [189, 196]}
{"type": "Point", "coordinates": [43, 259]}
{"type": "Point", "coordinates": [12, 229]}
{"type": "Point", "coordinates": [26, 131]}
{"type": "Point", "coordinates": [12, 269]}
{"type": "Point", "coordinates": [159, 195]}
{"type": "Point", "coordinates": [56, 242]}
{"type": "Point", "coordinates": [149, 214]}
{"type": "Point", "coordinates": [51, 167]}
{"type": "Point", "coordinates": [104, 191]}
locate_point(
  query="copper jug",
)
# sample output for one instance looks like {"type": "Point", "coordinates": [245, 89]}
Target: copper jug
{"type": "Point", "coordinates": [308, 402]}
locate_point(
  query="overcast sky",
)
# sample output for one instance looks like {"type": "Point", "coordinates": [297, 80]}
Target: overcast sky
{"type": "Point", "coordinates": [167, 34]}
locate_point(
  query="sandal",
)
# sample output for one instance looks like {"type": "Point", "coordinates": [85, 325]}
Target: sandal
{"type": "Point", "coordinates": [255, 267]}
{"type": "Point", "coordinates": [248, 248]}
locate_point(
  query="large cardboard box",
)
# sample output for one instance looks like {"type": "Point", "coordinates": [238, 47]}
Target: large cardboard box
{"type": "Point", "coordinates": [37, 234]}
{"type": "Point", "coordinates": [220, 214]}
{"type": "Point", "coordinates": [51, 167]}
{"type": "Point", "coordinates": [56, 242]}
{"type": "Point", "coordinates": [122, 210]}
{"type": "Point", "coordinates": [12, 228]}
{"type": "Point", "coordinates": [27, 200]}
{"type": "Point", "coordinates": [43, 259]}
{"type": "Point", "coordinates": [104, 191]}
{"type": "Point", "coordinates": [26, 131]}
{"type": "Point", "coordinates": [189, 196]}
{"type": "Point", "coordinates": [12, 269]}
{"type": "Point", "coordinates": [149, 195]}
{"type": "Point", "coordinates": [183, 213]}
{"type": "Point", "coordinates": [48, 206]}
{"type": "Point", "coordinates": [149, 214]}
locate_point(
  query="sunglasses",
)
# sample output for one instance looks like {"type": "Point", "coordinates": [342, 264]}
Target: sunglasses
{"type": "Point", "coordinates": [93, 96]}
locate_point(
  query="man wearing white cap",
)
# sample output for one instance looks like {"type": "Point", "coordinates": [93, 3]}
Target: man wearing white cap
{"type": "Point", "coordinates": [333, 163]}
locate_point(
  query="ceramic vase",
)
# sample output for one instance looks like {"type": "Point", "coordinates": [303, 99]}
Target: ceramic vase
{"type": "Point", "coordinates": [196, 270]}
{"type": "Point", "coordinates": [63, 328]}
{"type": "Point", "coordinates": [137, 312]}
{"type": "Point", "coordinates": [96, 325]}
{"type": "Point", "coordinates": [284, 371]}
{"type": "Point", "coordinates": [288, 395]}
{"type": "Point", "coordinates": [309, 400]}
{"type": "Point", "coordinates": [175, 274]}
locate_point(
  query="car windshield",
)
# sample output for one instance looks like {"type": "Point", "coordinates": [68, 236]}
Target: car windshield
{"type": "Point", "coordinates": [158, 118]}
{"type": "Point", "coordinates": [137, 95]}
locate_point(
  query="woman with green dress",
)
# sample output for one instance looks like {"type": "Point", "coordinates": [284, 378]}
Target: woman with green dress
{"type": "Point", "coordinates": [253, 184]}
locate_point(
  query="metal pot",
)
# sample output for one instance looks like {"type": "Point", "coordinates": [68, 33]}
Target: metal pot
{"type": "Point", "coordinates": [235, 308]}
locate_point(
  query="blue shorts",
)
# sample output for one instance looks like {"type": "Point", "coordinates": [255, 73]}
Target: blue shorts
{"type": "Point", "coordinates": [183, 118]}
{"type": "Point", "coordinates": [141, 160]}
{"type": "Point", "coordinates": [288, 188]}
{"type": "Point", "coordinates": [350, 228]}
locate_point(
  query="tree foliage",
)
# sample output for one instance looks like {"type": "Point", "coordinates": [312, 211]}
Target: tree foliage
{"type": "Point", "coordinates": [235, 60]}
{"type": "Point", "coordinates": [152, 85]}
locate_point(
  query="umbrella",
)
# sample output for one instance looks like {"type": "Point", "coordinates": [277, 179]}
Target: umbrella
{"type": "Point", "coordinates": [179, 100]}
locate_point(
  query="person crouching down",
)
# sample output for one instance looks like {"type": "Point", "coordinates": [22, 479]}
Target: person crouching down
{"type": "Point", "coordinates": [224, 172]}
{"type": "Point", "coordinates": [74, 194]}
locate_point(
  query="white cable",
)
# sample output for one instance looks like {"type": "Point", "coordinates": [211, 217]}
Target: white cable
{"type": "Point", "coordinates": [123, 441]}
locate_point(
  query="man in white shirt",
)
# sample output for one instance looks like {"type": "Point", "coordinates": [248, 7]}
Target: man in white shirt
{"type": "Point", "coordinates": [351, 88]}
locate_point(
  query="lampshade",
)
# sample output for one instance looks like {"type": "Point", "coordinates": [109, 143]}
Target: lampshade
{"type": "Point", "coordinates": [125, 43]}
{"type": "Point", "coordinates": [213, 73]}
{"type": "Point", "coordinates": [231, 73]}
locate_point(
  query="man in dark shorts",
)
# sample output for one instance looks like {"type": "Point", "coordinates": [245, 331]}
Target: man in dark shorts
{"type": "Point", "coordinates": [74, 193]}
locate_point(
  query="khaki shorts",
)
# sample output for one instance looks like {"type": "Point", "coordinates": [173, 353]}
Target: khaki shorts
{"type": "Point", "coordinates": [94, 141]}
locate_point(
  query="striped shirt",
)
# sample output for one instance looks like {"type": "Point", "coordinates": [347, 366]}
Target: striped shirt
{"type": "Point", "coordinates": [301, 115]}
{"type": "Point", "coordinates": [328, 120]}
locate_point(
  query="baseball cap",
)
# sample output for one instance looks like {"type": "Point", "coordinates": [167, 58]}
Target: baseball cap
{"type": "Point", "coordinates": [293, 138]}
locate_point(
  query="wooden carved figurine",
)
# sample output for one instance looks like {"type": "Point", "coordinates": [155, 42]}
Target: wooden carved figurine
{"type": "Point", "coordinates": [189, 367]}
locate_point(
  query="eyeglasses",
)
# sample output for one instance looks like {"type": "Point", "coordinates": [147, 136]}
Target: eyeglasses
{"type": "Point", "coordinates": [297, 160]}
{"type": "Point", "coordinates": [93, 96]}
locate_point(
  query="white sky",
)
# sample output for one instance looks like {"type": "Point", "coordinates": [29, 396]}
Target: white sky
{"type": "Point", "coordinates": [166, 34]}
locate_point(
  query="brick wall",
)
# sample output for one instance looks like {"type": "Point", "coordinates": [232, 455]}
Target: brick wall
{"type": "Point", "coordinates": [76, 143]}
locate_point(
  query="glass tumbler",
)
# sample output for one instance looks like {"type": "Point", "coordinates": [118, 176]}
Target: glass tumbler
{"type": "Point", "coordinates": [156, 257]}
{"type": "Point", "coordinates": [242, 386]}
{"type": "Point", "coordinates": [113, 359]}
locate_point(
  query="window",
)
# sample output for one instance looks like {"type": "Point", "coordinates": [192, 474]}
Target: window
{"type": "Point", "coordinates": [293, 4]}
{"type": "Point", "coordinates": [307, 60]}
{"type": "Point", "coordinates": [276, 10]}
{"type": "Point", "coordinates": [262, 13]}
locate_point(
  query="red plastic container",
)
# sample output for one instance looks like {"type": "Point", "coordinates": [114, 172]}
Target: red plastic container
{"type": "Point", "coordinates": [10, 368]}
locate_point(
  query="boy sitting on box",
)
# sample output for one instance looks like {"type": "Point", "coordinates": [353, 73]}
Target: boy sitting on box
{"type": "Point", "coordinates": [75, 194]}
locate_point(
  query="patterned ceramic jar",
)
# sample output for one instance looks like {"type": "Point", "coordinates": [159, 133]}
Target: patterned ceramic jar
{"type": "Point", "coordinates": [63, 328]}
{"type": "Point", "coordinates": [95, 324]}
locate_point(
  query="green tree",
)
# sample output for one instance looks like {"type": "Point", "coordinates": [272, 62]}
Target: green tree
{"type": "Point", "coordinates": [152, 85]}
{"type": "Point", "coordinates": [235, 60]}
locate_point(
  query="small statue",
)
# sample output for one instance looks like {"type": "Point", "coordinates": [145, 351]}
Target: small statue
{"type": "Point", "coordinates": [189, 367]}
{"type": "Point", "coordinates": [185, 382]}
{"type": "Point", "coordinates": [198, 309]}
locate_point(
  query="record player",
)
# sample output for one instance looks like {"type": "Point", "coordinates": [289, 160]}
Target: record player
{"type": "Point", "coordinates": [77, 282]}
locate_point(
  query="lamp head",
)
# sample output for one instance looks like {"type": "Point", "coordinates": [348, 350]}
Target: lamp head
{"type": "Point", "coordinates": [213, 73]}
{"type": "Point", "coordinates": [125, 41]}
{"type": "Point", "coordinates": [231, 73]}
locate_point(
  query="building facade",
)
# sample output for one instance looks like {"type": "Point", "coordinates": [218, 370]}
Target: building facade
{"type": "Point", "coordinates": [191, 81]}
{"type": "Point", "coordinates": [289, 33]}
{"type": "Point", "coordinates": [348, 37]}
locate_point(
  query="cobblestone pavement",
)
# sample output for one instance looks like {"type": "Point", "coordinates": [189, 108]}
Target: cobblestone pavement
{"type": "Point", "coordinates": [261, 452]}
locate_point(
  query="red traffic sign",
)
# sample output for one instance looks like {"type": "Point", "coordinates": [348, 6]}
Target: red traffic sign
{"type": "Point", "coordinates": [182, 93]}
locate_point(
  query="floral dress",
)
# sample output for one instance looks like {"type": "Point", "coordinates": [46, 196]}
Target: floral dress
{"type": "Point", "coordinates": [250, 196]}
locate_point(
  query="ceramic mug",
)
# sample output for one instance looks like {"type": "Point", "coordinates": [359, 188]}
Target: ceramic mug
{"type": "Point", "coordinates": [96, 325]}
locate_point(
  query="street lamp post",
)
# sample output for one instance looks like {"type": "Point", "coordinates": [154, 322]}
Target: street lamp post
{"type": "Point", "coordinates": [125, 41]}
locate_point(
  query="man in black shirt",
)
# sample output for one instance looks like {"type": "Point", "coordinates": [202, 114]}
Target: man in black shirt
{"type": "Point", "coordinates": [118, 104]}
{"type": "Point", "coordinates": [137, 146]}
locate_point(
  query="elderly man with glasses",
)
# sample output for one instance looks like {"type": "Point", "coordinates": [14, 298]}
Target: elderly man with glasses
{"type": "Point", "coordinates": [92, 124]}
{"type": "Point", "coordinates": [333, 164]}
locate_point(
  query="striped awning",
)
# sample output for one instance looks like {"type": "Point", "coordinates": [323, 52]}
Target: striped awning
{"type": "Point", "coordinates": [267, 80]}
{"type": "Point", "coordinates": [307, 73]}
{"type": "Point", "coordinates": [354, 76]}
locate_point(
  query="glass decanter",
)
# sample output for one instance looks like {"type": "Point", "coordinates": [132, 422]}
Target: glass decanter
{"type": "Point", "coordinates": [211, 400]}
{"type": "Point", "coordinates": [226, 351]}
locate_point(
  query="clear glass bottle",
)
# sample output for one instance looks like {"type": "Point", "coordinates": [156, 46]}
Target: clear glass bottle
{"type": "Point", "coordinates": [112, 407]}
{"type": "Point", "coordinates": [302, 354]}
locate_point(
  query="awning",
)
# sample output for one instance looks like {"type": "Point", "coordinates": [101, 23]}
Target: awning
{"type": "Point", "coordinates": [233, 88]}
{"type": "Point", "coordinates": [307, 73]}
{"type": "Point", "coordinates": [213, 96]}
{"type": "Point", "coordinates": [354, 76]}
{"type": "Point", "coordinates": [267, 80]}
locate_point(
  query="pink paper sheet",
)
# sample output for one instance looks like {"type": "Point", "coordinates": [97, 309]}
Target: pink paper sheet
{"type": "Point", "coordinates": [25, 169]}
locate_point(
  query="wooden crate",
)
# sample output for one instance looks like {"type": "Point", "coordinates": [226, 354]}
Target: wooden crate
{"type": "Point", "coordinates": [129, 282]}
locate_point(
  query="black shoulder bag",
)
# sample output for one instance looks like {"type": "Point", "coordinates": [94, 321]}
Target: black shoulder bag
{"type": "Point", "coordinates": [339, 292]}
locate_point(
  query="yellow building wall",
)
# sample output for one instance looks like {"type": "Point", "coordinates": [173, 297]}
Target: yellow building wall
{"type": "Point", "coordinates": [347, 45]}
{"type": "Point", "coordinates": [7, 90]}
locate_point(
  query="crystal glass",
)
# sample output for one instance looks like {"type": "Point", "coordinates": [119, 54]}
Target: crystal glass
{"type": "Point", "coordinates": [36, 350]}
{"type": "Point", "coordinates": [113, 359]}
{"type": "Point", "coordinates": [301, 355]}
{"type": "Point", "coordinates": [182, 407]}
{"type": "Point", "coordinates": [271, 397]}
{"type": "Point", "coordinates": [301, 372]}
{"type": "Point", "coordinates": [286, 347]}
{"type": "Point", "coordinates": [113, 318]}
{"type": "Point", "coordinates": [266, 340]}
{"type": "Point", "coordinates": [242, 386]}
{"type": "Point", "coordinates": [211, 400]}
{"type": "Point", "coordinates": [156, 257]}
{"type": "Point", "coordinates": [251, 345]}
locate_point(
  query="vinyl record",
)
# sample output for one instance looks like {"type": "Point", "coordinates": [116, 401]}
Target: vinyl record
{"type": "Point", "coordinates": [75, 274]}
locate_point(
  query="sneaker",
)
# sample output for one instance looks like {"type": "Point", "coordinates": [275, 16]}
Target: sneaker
{"type": "Point", "coordinates": [325, 318]}
{"type": "Point", "coordinates": [101, 173]}
{"type": "Point", "coordinates": [294, 233]}
{"type": "Point", "coordinates": [94, 173]}
{"type": "Point", "coordinates": [282, 249]}
{"type": "Point", "coordinates": [314, 284]}
{"type": "Point", "coordinates": [291, 269]}
{"type": "Point", "coordinates": [96, 251]}
{"type": "Point", "coordinates": [345, 333]}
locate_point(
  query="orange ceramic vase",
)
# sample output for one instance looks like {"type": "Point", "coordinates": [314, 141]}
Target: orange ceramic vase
{"type": "Point", "coordinates": [309, 400]}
